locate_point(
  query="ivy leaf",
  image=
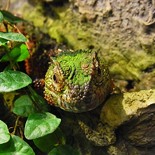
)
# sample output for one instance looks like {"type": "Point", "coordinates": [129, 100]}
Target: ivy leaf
{"type": "Point", "coordinates": [12, 55]}
{"type": "Point", "coordinates": [16, 146]}
{"type": "Point", "coordinates": [1, 17]}
{"type": "Point", "coordinates": [17, 54]}
{"type": "Point", "coordinates": [24, 53]}
{"type": "Point", "coordinates": [23, 106]}
{"type": "Point", "coordinates": [54, 139]}
{"type": "Point", "coordinates": [40, 124]}
{"type": "Point", "coordinates": [13, 80]}
{"type": "Point", "coordinates": [13, 36]}
{"type": "Point", "coordinates": [3, 41]}
{"type": "Point", "coordinates": [4, 133]}
{"type": "Point", "coordinates": [8, 16]}
{"type": "Point", "coordinates": [63, 149]}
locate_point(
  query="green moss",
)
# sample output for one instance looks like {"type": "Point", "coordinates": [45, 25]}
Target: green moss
{"type": "Point", "coordinates": [68, 28]}
{"type": "Point", "coordinates": [65, 27]}
{"type": "Point", "coordinates": [34, 14]}
{"type": "Point", "coordinates": [71, 64]}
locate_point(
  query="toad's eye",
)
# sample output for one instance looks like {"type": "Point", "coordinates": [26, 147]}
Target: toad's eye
{"type": "Point", "coordinates": [55, 78]}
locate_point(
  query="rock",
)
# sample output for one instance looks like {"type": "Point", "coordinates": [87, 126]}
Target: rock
{"type": "Point", "coordinates": [133, 115]}
{"type": "Point", "coordinates": [122, 107]}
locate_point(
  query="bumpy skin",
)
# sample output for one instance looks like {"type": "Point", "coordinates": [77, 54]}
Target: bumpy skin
{"type": "Point", "coordinates": [77, 81]}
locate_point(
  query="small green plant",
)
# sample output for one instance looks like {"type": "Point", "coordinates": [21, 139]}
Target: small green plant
{"type": "Point", "coordinates": [41, 126]}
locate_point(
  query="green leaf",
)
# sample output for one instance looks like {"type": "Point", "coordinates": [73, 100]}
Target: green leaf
{"type": "Point", "coordinates": [23, 106]}
{"type": "Point", "coordinates": [10, 17]}
{"type": "Point", "coordinates": [40, 124]}
{"type": "Point", "coordinates": [12, 55]}
{"type": "Point", "coordinates": [13, 36]}
{"type": "Point", "coordinates": [3, 41]}
{"type": "Point", "coordinates": [16, 146]}
{"type": "Point", "coordinates": [54, 139]}
{"type": "Point", "coordinates": [13, 80]}
{"type": "Point", "coordinates": [1, 17]}
{"type": "Point", "coordinates": [24, 53]}
{"type": "Point", "coordinates": [63, 149]}
{"type": "Point", "coordinates": [4, 133]}
{"type": "Point", "coordinates": [17, 54]}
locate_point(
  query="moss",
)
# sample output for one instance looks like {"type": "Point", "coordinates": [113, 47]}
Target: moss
{"type": "Point", "coordinates": [65, 27]}
{"type": "Point", "coordinates": [72, 67]}
{"type": "Point", "coordinates": [69, 28]}
{"type": "Point", "coordinates": [34, 14]}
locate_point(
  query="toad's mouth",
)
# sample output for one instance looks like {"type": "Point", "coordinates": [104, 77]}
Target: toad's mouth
{"type": "Point", "coordinates": [73, 98]}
